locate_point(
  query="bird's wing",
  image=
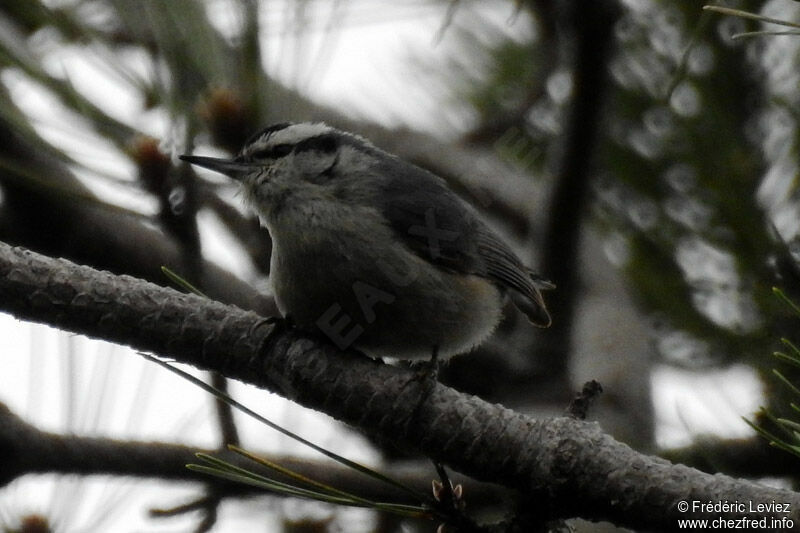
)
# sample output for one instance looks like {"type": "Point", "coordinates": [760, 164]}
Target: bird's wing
{"type": "Point", "coordinates": [503, 266]}
{"type": "Point", "coordinates": [440, 227]}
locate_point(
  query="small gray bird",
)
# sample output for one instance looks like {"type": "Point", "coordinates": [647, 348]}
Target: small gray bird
{"type": "Point", "coordinates": [372, 251]}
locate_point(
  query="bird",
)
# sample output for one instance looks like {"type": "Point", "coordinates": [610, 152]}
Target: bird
{"type": "Point", "coordinates": [372, 251]}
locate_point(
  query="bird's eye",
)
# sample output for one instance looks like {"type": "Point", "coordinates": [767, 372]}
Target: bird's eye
{"type": "Point", "coordinates": [273, 152]}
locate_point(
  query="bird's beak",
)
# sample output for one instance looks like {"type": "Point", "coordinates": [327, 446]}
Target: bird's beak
{"type": "Point", "coordinates": [229, 167]}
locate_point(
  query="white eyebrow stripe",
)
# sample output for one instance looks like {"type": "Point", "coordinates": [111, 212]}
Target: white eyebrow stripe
{"type": "Point", "coordinates": [298, 132]}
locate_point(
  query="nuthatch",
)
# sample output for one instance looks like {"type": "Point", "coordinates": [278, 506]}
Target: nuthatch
{"type": "Point", "coordinates": [374, 252]}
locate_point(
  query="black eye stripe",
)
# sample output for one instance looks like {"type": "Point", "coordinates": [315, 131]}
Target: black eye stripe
{"type": "Point", "coordinates": [273, 152]}
{"type": "Point", "coordinates": [326, 142]}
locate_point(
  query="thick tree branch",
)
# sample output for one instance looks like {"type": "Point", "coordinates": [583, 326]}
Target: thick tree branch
{"type": "Point", "coordinates": [565, 467]}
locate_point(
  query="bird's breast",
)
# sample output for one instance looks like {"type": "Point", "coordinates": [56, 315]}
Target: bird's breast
{"type": "Point", "coordinates": [367, 290]}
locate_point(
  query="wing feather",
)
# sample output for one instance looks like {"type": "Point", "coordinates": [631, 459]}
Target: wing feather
{"type": "Point", "coordinates": [440, 227]}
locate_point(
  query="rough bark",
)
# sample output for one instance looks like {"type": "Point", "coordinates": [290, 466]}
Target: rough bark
{"type": "Point", "coordinates": [565, 467]}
